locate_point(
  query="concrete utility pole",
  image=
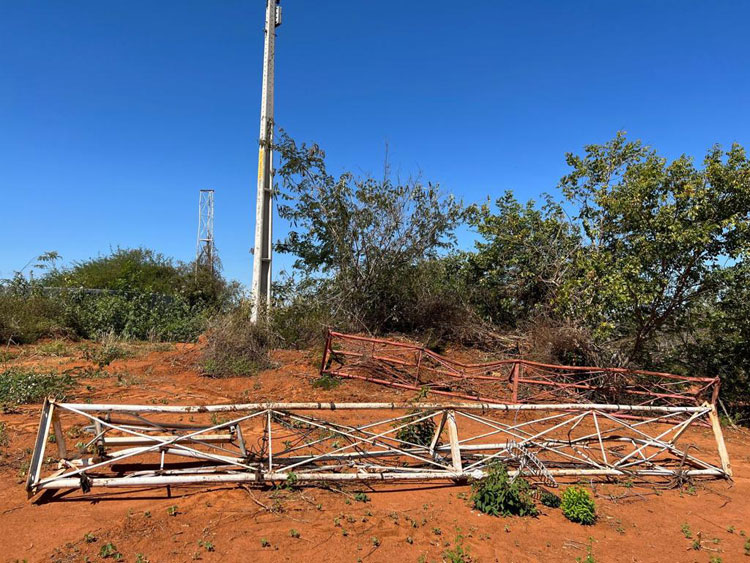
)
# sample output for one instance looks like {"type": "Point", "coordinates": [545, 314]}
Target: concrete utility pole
{"type": "Point", "coordinates": [263, 211]}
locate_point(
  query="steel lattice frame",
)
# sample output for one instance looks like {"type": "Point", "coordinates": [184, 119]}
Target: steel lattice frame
{"type": "Point", "coordinates": [407, 366]}
{"type": "Point", "coordinates": [157, 445]}
{"type": "Point", "coordinates": [204, 248]}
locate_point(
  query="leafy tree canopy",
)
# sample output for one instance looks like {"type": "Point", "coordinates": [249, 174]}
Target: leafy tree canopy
{"type": "Point", "coordinates": [658, 232]}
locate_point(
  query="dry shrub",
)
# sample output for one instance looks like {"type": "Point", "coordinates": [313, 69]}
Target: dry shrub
{"type": "Point", "coordinates": [564, 343]}
{"type": "Point", "coordinates": [301, 324]}
{"type": "Point", "coordinates": [235, 346]}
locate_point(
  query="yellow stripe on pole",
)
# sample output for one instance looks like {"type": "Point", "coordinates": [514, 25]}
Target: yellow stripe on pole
{"type": "Point", "coordinates": [261, 162]}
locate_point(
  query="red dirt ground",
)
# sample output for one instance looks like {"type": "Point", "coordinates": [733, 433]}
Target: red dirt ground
{"type": "Point", "coordinates": [400, 522]}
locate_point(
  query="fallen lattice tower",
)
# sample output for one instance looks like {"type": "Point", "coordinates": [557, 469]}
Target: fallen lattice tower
{"type": "Point", "coordinates": [256, 443]}
{"type": "Point", "coordinates": [404, 365]}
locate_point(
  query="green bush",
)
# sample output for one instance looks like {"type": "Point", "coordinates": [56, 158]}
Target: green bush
{"type": "Point", "coordinates": [578, 506]}
{"type": "Point", "coordinates": [549, 499]}
{"type": "Point", "coordinates": [145, 271]}
{"type": "Point", "coordinates": [53, 349]}
{"type": "Point", "coordinates": [21, 386]}
{"type": "Point", "coordinates": [299, 315]}
{"type": "Point", "coordinates": [236, 346]}
{"type": "Point", "coordinates": [327, 382]}
{"type": "Point", "coordinates": [27, 313]}
{"type": "Point", "coordinates": [132, 293]}
{"type": "Point", "coordinates": [497, 495]}
{"type": "Point", "coordinates": [142, 316]}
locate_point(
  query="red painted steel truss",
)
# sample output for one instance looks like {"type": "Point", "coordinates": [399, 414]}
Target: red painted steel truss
{"type": "Point", "coordinates": [408, 366]}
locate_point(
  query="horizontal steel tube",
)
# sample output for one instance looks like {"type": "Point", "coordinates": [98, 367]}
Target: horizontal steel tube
{"type": "Point", "coordinates": [69, 483]}
{"type": "Point", "coordinates": [379, 406]}
{"type": "Point", "coordinates": [119, 441]}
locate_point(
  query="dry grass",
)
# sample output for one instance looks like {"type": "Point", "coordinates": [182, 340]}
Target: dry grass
{"type": "Point", "coordinates": [235, 346]}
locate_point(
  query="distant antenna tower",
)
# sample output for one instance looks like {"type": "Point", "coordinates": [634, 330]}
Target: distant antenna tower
{"type": "Point", "coordinates": [204, 251]}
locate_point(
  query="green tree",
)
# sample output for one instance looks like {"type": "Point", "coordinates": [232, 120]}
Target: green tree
{"type": "Point", "coordinates": [658, 233]}
{"type": "Point", "coordinates": [364, 240]}
{"type": "Point", "coordinates": [715, 338]}
{"type": "Point", "coordinates": [525, 256]}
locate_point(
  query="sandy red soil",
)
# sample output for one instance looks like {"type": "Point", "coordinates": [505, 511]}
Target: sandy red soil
{"type": "Point", "coordinates": [400, 522]}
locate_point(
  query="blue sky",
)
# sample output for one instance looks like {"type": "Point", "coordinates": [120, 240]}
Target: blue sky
{"type": "Point", "coordinates": [114, 114]}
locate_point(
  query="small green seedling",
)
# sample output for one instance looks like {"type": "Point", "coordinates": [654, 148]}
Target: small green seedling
{"type": "Point", "coordinates": [207, 545]}
{"type": "Point", "coordinates": [109, 550]}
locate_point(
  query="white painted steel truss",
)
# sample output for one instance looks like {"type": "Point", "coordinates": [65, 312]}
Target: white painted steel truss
{"type": "Point", "coordinates": [159, 445]}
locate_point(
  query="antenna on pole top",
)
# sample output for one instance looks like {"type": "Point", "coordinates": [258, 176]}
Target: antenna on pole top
{"type": "Point", "coordinates": [204, 250]}
{"type": "Point", "coordinates": [263, 211]}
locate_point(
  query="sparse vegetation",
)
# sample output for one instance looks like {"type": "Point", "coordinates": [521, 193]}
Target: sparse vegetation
{"type": "Point", "coordinates": [290, 482]}
{"type": "Point", "coordinates": [361, 497]}
{"type": "Point", "coordinates": [589, 553]}
{"type": "Point", "coordinates": [578, 506]}
{"type": "Point", "coordinates": [108, 350]}
{"type": "Point", "coordinates": [109, 550]}
{"type": "Point", "coordinates": [327, 382]}
{"type": "Point", "coordinates": [458, 553]}
{"type": "Point", "coordinates": [496, 494]}
{"type": "Point", "coordinates": [419, 432]}
{"type": "Point", "coordinates": [53, 348]}
{"type": "Point", "coordinates": [235, 346]}
{"type": "Point", "coordinates": [22, 386]}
